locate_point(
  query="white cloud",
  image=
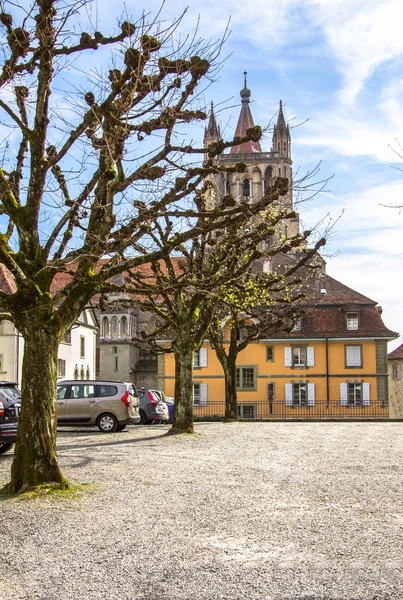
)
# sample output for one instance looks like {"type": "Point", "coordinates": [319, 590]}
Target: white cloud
{"type": "Point", "coordinates": [362, 35]}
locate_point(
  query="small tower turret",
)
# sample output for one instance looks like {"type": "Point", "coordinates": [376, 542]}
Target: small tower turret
{"type": "Point", "coordinates": [282, 136]}
{"type": "Point", "coordinates": [212, 131]}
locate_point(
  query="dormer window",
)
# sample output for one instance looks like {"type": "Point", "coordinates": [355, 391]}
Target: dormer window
{"type": "Point", "coordinates": [297, 324]}
{"type": "Point", "coordinates": [352, 321]}
{"type": "Point", "coordinates": [246, 188]}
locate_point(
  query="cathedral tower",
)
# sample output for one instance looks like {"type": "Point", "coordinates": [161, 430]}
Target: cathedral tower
{"type": "Point", "coordinates": [262, 167]}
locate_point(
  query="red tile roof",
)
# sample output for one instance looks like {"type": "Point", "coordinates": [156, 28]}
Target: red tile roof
{"type": "Point", "coordinates": [396, 353]}
{"type": "Point", "coordinates": [336, 292]}
{"type": "Point", "coordinates": [7, 283]}
{"type": "Point", "coordinates": [245, 121]}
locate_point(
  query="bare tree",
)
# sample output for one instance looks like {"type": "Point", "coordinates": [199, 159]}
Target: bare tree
{"type": "Point", "coordinates": [91, 165]}
{"type": "Point", "coordinates": [261, 305]}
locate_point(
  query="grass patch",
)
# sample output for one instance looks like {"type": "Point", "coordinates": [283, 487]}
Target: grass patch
{"type": "Point", "coordinates": [54, 491]}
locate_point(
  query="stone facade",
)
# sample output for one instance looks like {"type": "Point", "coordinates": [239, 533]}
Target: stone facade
{"type": "Point", "coordinates": [395, 367]}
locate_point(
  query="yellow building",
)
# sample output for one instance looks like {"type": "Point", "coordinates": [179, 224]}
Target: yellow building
{"type": "Point", "coordinates": [333, 364]}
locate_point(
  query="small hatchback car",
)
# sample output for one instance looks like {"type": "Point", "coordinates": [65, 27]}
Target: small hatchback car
{"type": "Point", "coordinates": [10, 403]}
{"type": "Point", "coordinates": [109, 404]}
{"type": "Point", "coordinates": [152, 407]}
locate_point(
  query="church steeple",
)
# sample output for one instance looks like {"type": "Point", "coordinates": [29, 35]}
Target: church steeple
{"type": "Point", "coordinates": [212, 131]}
{"type": "Point", "coordinates": [281, 135]}
{"type": "Point", "coordinates": [245, 121]}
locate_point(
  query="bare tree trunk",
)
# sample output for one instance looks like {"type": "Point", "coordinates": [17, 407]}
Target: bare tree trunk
{"type": "Point", "coordinates": [183, 418]}
{"type": "Point", "coordinates": [231, 405]}
{"type": "Point", "coordinates": [35, 460]}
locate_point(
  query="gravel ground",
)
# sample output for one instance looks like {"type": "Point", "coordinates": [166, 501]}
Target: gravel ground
{"type": "Point", "coordinates": [246, 511]}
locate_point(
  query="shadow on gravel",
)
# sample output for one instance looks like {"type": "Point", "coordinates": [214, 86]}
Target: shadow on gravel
{"type": "Point", "coordinates": [103, 444]}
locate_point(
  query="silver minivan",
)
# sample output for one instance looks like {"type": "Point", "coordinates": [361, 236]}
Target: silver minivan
{"type": "Point", "coordinates": [110, 405]}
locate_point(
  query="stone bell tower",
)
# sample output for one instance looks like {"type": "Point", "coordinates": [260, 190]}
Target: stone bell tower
{"type": "Point", "coordinates": [262, 167]}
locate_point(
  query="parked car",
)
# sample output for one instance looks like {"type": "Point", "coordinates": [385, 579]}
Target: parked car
{"type": "Point", "coordinates": [152, 407]}
{"type": "Point", "coordinates": [170, 402]}
{"type": "Point", "coordinates": [10, 403]}
{"type": "Point", "coordinates": [110, 405]}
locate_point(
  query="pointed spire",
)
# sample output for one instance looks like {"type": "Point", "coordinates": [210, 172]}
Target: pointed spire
{"type": "Point", "coordinates": [245, 121]}
{"type": "Point", "coordinates": [281, 135]}
{"type": "Point", "coordinates": [212, 129]}
{"type": "Point", "coordinates": [245, 92]}
{"type": "Point", "coordinates": [281, 124]}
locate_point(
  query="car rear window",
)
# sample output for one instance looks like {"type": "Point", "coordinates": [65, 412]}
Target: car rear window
{"type": "Point", "coordinates": [107, 390]}
{"type": "Point", "coordinates": [10, 393]}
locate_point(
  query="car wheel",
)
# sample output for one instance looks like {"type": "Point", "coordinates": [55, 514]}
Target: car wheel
{"type": "Point", "coordinates": [4, 447]}
{"type": "Point", "coordinates": [143, 418]}
{"type": "Point", "coordinates": [121, 427]}
{"type": "Point", "coordinates": [107, 423]}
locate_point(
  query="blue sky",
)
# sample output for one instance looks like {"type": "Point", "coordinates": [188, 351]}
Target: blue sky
{"type": "Point", "coordinates": [338, 64]}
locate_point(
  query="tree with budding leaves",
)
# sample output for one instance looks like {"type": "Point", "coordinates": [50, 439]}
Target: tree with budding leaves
{"type": "Point", "coordinates": [90, 172]}
{"type": "Point", "coordinates": [210, 286]}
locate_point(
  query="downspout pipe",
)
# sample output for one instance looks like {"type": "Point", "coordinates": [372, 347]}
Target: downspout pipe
{"type": "Point", "coordinates": [327, 373]}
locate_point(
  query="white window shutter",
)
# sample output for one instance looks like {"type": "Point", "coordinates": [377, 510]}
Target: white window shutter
{"type": "Point", "coordinates": [203, 394]}
{"type": "Point", "coordinates": [353, 356]}
{"type": "Point", "coordinates": [288, 393]}
{"type": "Point", "coordinates": [311, 356]}
{"type": "Point", "coordinates": [287, 356]}
{"type": "Point", "coordinates": [343, 394]}
{"type": "Point", "coordinates": [203, 357]}
{"type": "Point", "coordinates": [311, 394]}
{"type": "Point", "coordinates": [365, 394]}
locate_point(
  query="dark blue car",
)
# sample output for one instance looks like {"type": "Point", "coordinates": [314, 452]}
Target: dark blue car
{"type": "Point", "coordinates": [170, 402]}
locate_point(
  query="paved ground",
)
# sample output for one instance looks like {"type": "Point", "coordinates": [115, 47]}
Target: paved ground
{"type": "Point", "coordinates": [248, 511]}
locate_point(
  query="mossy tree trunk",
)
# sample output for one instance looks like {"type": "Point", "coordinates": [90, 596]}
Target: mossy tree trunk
{"type": "Point", "coordinates": [35, 461]}
{"type": "Point", "coordinates": [231, 402]}
{"type": "Point", "coordinates": [227, 353]}
{"type": "Point", "coordinates": [183, 352]}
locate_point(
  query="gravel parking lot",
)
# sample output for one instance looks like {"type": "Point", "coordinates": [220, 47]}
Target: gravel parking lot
{"type": "Point", "coordinates": [265, 511]}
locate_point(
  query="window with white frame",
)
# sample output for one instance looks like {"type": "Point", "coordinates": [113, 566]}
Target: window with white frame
{"type": "Point", "coordinates": [352, 321]}
{"type": "Point", "coordinates": [299, 356]}
{"type": "Point", "coordinates": [246, 378]}
{"type": "Point", "coordinates": [353, 356]}
{"type": "Point", "coordinates": [269, 353]}
{"type": "Point", "coordinates": [200, 358]}
{"type": "Point", "coordinates": [61, 367]}
{"type": "Point", "coordinates": [300, 394]}
{"type": "Point", "coordinates": [246, 411]}
{"type": "Point", "coordinates": [82, 346]}
{"type": "Point", "coordinates": [355, 393]}
{"type": "Point", "coordinates": [199, 394]}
